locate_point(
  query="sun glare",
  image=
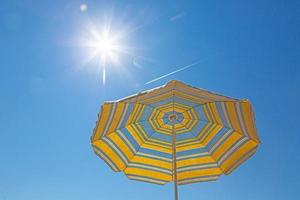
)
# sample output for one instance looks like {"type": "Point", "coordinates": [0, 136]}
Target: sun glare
{"type": "Point", "coordinates": [106, 47]}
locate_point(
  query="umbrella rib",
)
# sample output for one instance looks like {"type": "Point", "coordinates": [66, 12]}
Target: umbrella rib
{"type": "Point", "coordinates": [135, 122]}
{"type": "Point", "coordinates": [213, 122]}
{"type": "Point", "coordinates": [140, 146]}
{"type": "Point", "coordinates": [136, 152]}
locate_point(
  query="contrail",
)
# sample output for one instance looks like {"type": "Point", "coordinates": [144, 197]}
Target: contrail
{"type": "Point", "coordinates": [178, 16]}
{"type": "Point", "coordinates": [173, 72]}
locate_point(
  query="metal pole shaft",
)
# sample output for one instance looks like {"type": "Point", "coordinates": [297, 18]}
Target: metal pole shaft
{"type": "Point", "coordinates": [174, 160]}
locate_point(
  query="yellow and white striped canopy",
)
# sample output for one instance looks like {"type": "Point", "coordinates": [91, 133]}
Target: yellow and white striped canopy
{"type": "Point", "coordinates": [214, 134]}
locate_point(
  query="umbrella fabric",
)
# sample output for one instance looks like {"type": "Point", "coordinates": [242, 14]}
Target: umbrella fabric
{"type": "Point", "coordinates": [214, 134]}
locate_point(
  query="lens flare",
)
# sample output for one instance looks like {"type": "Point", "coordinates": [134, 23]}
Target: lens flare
{"type": "Point", "coordinates": [83, 7]}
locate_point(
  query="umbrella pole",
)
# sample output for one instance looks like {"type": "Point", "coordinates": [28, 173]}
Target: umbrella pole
{"type": "Point", "coordinates": [174, 160]}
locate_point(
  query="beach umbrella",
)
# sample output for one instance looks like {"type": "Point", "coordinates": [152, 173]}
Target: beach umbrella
{"type": "Point", "coordinates": [177, 133]}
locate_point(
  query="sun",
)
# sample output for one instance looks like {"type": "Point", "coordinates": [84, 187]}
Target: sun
{"type": "Point", "coordinates": [106, 47]}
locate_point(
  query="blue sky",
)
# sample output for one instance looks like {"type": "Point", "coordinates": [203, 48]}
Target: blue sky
{"type": "Point", "coordinates": [50, 95]}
